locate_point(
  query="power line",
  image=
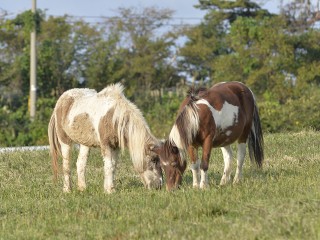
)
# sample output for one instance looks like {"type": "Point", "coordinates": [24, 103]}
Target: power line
{"type": "Point", "coordinates": [184, 21]}
{"type": "Point", "coordinates": [171, 22]}
{"type": "Point", "coordinates": [115, 17]}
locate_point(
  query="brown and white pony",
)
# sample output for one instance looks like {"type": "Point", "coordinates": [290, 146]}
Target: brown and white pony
{"type": "Point", "coordinates": [106, 120]}
{"type": "Point", "coordinates": [210, 118]}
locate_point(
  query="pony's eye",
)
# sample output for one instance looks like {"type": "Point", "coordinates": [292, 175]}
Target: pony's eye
{"type": "Point", "coordinates": [155, 160]}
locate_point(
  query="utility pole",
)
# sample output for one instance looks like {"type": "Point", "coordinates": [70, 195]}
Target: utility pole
{"type": "Point", "coordinates": [33, 68]}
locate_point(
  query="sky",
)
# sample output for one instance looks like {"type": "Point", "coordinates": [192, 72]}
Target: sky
{"type": "Point", "coordinates": [184, 9]}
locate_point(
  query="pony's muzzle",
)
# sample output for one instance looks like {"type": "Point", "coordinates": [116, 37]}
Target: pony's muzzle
{"type": "Point", "coordinates": [151, 180]}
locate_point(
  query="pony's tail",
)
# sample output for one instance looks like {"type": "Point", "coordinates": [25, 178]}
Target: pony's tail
{"type": "Point", "coordinates": [255, 144]}
{"type": "Point", "coordinates": [55, 148]}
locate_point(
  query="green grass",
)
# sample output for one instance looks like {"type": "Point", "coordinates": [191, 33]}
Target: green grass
{"type": "Point", "coordinates": [282, 201]}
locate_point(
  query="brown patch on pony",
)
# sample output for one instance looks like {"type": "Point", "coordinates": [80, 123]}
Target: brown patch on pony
{"type": "Point", "coordinates": [83, 130]}
{"type": "Point", "coordinates": [62, 111]}
{"type": "Point", "coordinates": [108, 134]}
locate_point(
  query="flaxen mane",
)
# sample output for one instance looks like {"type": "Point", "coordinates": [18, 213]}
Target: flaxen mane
{"type": "Point", "coordinates": [132, 130]}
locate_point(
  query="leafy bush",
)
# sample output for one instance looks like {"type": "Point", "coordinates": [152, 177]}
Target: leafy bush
{"type": "Point", "coordinates": [294, 115]}
{"type": "Point", "coordinates": [161, 115]}
{"type": "Point", "coordinates": [18, 130]}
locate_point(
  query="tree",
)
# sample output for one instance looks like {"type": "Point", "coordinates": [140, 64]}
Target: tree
{"type": "Point", "coordinates": [264, 55]}
{"type": "Point", "coordinates": [145, 52]}
{"type": "Point", "coordinates": [56, 56]}
{"type": "Point", "coordinates": [207, 42]}
{"type": "Point", "coordinates": [301, 14]}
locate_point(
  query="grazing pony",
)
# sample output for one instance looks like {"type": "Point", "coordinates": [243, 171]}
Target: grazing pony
{"type": "Point", "coordinates": [107, 120]}
{"type": "Point", "coordinates": [207, 118]}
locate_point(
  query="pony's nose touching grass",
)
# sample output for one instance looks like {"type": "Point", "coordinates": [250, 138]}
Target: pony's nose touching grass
{"type": "Point", "coordinates": [107, 120]}
{"type": "Point", "coordinates": [209, 118]}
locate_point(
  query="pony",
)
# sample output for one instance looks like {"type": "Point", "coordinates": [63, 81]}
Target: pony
{"type": "Point", "coordinates": [107, 120]}
{"type": "Point", "coordinates": [210, 118]}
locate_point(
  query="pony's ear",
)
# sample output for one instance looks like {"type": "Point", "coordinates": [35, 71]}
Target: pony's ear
{"type": "Point", "coordinates": [154, 148]}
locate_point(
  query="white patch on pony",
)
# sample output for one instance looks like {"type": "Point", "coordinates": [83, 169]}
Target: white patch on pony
{"type": "Point", "coordinates": [174, 136]}
{"type": "Point", "coordinates": [240, 159]}
{"type": "Point", "coordinates": [228, 133]}
{"type": "Point", "coordinates": [226, 117]}
{"type": "Point", "coordinates": [195, 168]}
{"type": "Point", "coordinates": [204, 179]}
{"type": "Point", "coordinates": [175, 139]}
{"type": "Point", "coordinates": [227, 158]}
{"type": "Point", "coordinates": [81, 166]}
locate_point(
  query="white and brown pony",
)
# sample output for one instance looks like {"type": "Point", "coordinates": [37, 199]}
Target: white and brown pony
{"type": "Point", "coordinates": [210, 118]}
{"type": "Point", "coordinates": [106, 120]}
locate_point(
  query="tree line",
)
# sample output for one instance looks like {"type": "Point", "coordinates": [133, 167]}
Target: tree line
{"type": "Point", "coordinates": [276, 55]}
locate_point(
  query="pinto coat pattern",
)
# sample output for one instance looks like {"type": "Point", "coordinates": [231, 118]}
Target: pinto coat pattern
{"type": "Point", "coordinates": [106, 120]}
{"type": "Point", "coordinates": [207, 118]}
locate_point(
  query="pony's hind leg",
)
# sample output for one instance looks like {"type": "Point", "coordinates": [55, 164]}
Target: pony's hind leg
{"type": "Point", "coordinates": [195, 166]}
{"type": "Point", "coordinates": [81, 166]}
{"type": "Point", "coordinates": [109, 158]}
{"type": "Point", "coordinates": [227, 158]}
{"type": "Point", "coordinates": [65, 151]}
{"type": "Point", "coordinates": [240, 159]}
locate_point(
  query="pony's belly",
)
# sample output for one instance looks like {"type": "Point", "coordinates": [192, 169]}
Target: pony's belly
{"type": "Point", "coordinates": [84, 137]}
{"type": "Point", "coordinates": [223, 140]}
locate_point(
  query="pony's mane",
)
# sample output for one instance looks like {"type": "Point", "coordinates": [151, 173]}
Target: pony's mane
{"type": "Point", "coordinates": [132, 130]}
{"type": "Point", "coordinates": [187, 123]}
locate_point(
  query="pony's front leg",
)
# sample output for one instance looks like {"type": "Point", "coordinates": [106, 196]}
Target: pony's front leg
{"type": "Point", "coordinates": [195, 166]}
{"type": "Point", "coordinates": [227, 158]}
{"type": "Point", "coordinates": [65, 151]}
{"type": "Point", "coordinates": [240, 159]}
{"type": "Point", "coordinates": [109, 158]}
{"type": "Point", "coordinates": [206, 151]}
{"type": "Point", "coordinates": [81, 166]}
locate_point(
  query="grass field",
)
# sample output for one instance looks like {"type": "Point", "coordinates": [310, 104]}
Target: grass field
{"type": "Point", "coordinates": [282, 201]}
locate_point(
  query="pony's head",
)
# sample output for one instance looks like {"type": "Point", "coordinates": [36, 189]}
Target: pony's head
{"type": "Point", "coordinates": [172, 164]}
{"type": "Point", "coordinates": [152, 175]}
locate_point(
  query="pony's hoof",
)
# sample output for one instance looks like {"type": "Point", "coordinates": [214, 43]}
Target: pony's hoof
{"type": "Point", "coordinates": [204, 185]}
{"type": "Point", "coordinates": [67, 190]}
{"type": "Point", "coordinates": [236, 181]}
{"type": "Point", "coordinates": [81, 188]}
{"type": "Point", "coordinates": [110, 190]}
{"type": "Point", "coordinates": [224, 181]}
